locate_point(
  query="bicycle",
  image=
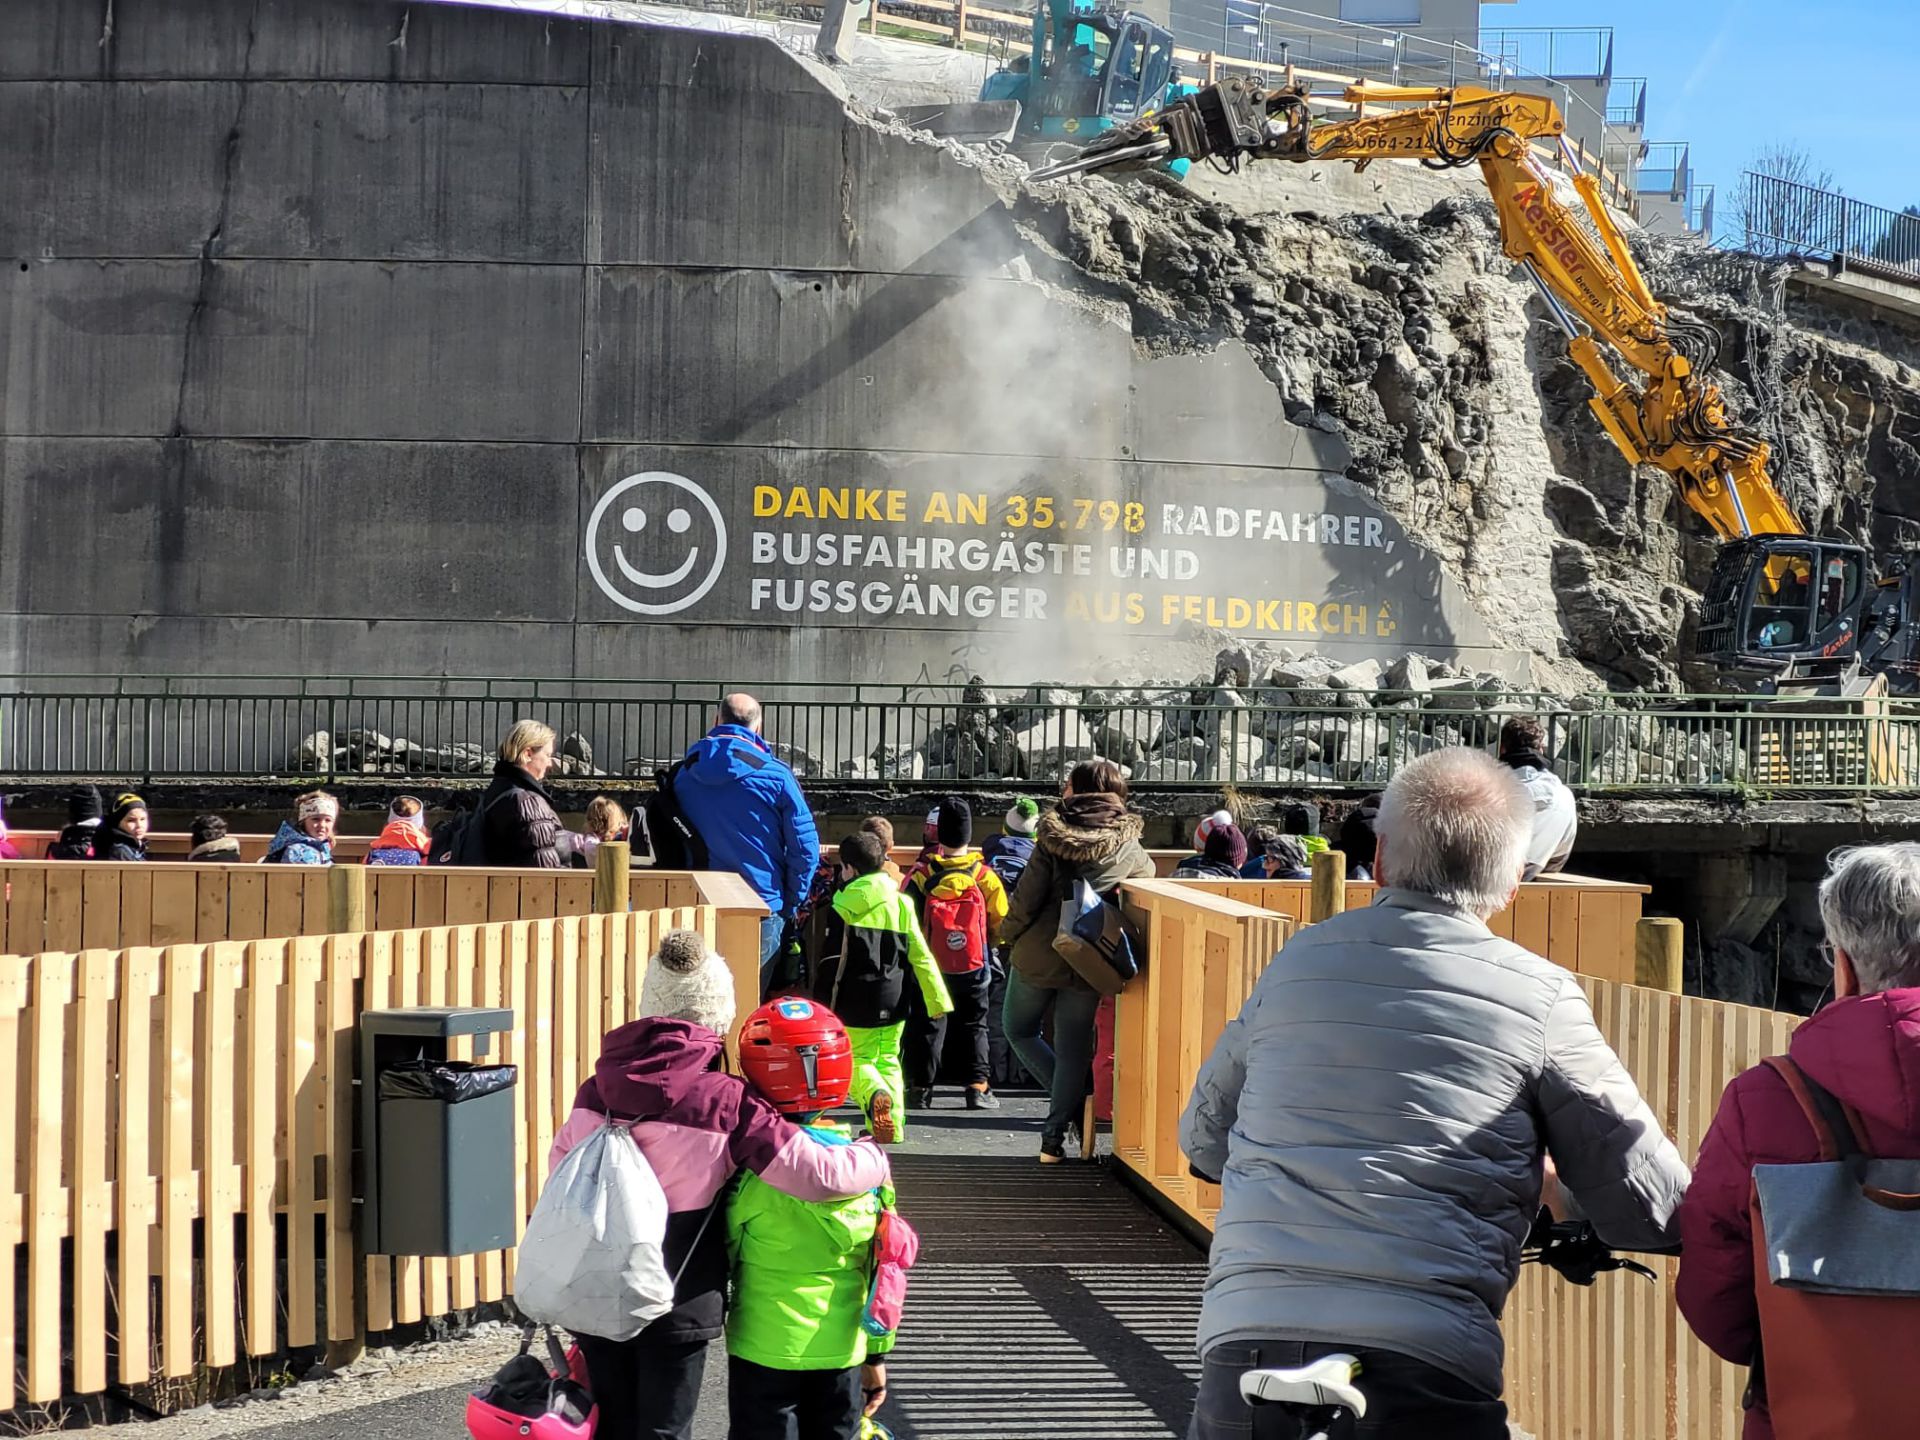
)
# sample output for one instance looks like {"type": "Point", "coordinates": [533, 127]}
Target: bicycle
{"type": "Point", "coordinates": [1323, 1396]}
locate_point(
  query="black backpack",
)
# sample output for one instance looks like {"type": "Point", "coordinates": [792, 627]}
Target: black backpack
{"type": "Point", "coordinates": [461, 838]}
{"type": "Point", "coordinates": [669, 836]}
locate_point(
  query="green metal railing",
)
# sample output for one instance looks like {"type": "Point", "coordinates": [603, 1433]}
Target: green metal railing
{"type": "Point", "coordinates": [1310, 737]}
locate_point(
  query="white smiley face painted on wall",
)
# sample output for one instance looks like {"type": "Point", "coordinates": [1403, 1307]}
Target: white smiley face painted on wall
{"type": "Point", "coordinates": [656, 543]}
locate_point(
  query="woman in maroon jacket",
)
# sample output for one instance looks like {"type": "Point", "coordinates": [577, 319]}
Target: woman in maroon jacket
{"type": "Point", "coordinates": [1864, 1047]}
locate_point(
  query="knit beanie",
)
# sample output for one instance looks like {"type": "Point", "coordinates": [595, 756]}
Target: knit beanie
{"type": "Point", "coordinates": [1024, 817]}
{"type": "Point", "coordinates": [1206, 827]}
{"type": "Point", "coordinates": [124, 804]}
{"type": "Point", "coordinates": [687, 981]}
{"type": "Point", "coordinates": [1226, 843]}
{"type": "Point", "coordinates": [955, 824]}
{"type": "Point", "coordinates": [84, 805]}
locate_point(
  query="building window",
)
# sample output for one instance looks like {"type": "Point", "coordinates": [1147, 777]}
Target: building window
{"type": "Point", "coordinates": [1381, 12]}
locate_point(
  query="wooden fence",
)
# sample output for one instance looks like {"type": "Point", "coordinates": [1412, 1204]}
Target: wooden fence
{"type": "Point", "coordinates": [1615, 1360]}
{"type": "Point", "coordinates": [1585, 925]}
{"type": "Point", "coordinates": [68, 905]}
{"type": "Point", "coordinates": [183, 1128]}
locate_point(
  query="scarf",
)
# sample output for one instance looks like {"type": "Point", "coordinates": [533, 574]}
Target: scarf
{"type": "Point", "coordinates": [1092, 812]}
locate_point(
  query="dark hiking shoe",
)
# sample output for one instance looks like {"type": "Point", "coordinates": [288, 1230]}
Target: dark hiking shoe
{"type": "Point", "coordinates": [979, 1097]}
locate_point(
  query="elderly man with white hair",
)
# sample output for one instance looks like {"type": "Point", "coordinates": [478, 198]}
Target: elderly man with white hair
{"type": "Point", "coordinates": [1379, 1116]}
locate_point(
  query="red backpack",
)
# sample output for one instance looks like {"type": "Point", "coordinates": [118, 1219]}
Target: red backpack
{"type": "Point", "coordinates": [956, 924]}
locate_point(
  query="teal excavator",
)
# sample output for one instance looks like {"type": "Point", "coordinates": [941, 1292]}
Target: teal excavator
{"type": "Point", "coordinates": [1091, 68]}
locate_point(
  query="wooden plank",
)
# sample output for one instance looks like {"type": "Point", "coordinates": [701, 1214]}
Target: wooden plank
{"type": "Point", "coordinates": [503, 897]}
{"type": "Point", "coordinates": [175, 903]}
{"type": "Point", "coordinates": [305, 1143]}
{"type": "Point", "coordinates": [564, 937]}
{"type": "Point", "coordinates": [136, 906]}
{"type": "Point", "coordinates": [434, 991]}
{"type": "Point", "coordinates": [92, 1209]}
{"type": "Point", "coordinates": [573, 893]}
{"type": "Point", "coordinates": [407, 977]}
{"type": "Point", "coordinates": [13, 1006]}
{"type": "Point", "coordinates": [378, 961]}
{"type": "Point", "coordinates": [491, 991]}
{"type": "Point", "coordinates": [429, 896]}
{"type": "Point", "coordinates": [514, 986]}
{"type": "Point", "coordinates": [210, 909]}
{"type": "Point", "coordinates": [65, 892]}
{"type": "Point", "coordinates": [390, 898]}
{"type": "Point", "coordinates": [247, 903]}
{"type": "Point", "coordinates": [1530, 920]}
{"type": "Point", "coordinates": [541, 1056]}
{"type": "Point", "coordinates": [134, 1194]}
{"type": "Point", "coordinates": [466, 899]}
{"type": "Point", "coordinates": [612, 932]}
{"type": "Point", "coordinates": [219, 1196]}
{"type": "Point", "coordinates": [99, 905]}
{"type": "Point", "coordinates": [178, 1002]}
{"type": "Point", "coordinates": [463, 984]}
{"type": "Point", "coordinates": [334, 1085]}
{"type": "Point", "coordinates": [267, 973]}
{"type": "Point", "coordinates": [286, 888]}
{"type": "Point", "coordinates": [53, 981]}
{"type": "Point", "coordinates": [537, 896]}
{"type": "Point", "coordinates": [26, 896]}
{"type": "Point", "coordinates": [1563, 928]}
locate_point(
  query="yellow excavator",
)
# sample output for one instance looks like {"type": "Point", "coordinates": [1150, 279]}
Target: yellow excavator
{"type": "Point", "coordinates": [1801, 612]}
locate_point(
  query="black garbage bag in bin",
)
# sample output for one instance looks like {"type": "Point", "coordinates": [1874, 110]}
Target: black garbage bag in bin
{"type": "Point", "coordinates": [446, 1157]}
{"type": "Point", "coordinates": [451, 1081]}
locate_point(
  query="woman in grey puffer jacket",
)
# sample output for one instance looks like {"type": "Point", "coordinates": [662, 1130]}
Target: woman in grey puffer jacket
{"type": "Point", "coordinates": [1091, 836]}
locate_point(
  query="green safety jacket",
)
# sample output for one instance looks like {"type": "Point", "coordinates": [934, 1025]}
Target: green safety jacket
{"type": "Point", "coordinates": [801, 1270]}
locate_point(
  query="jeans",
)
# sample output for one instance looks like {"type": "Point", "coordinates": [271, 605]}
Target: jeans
{"type": "Point", "coordinates": [645, 1390]}
{"type": "Point", "coordinates": [927, 1038]}
{"type": "Point", "coordinates": [1064, 1068]}
{"type": "Point", "coordinates": [1407, 1399]}
{"type": "Point", "coordinates": [766, 1404]}
{"type": "Point", "coordinates": [772, 930]}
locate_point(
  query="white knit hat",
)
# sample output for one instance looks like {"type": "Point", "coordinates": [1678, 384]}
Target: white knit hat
{"type": "Point", "coordinates": [687, 981]}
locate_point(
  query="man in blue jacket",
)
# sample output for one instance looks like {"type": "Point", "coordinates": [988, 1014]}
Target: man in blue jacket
{"type": "Point", "coordinates": [746, 805]}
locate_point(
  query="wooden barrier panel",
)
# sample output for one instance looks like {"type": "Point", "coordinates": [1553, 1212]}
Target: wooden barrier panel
{"type": "Point", "coordinates": [1614, 1359]}
{"type": "Point", "coordinates": [71, 905]}
{"type": "Point", "coordinates": [1585, 925]}
{"type": "Point", "coordinates": [182, 1123]}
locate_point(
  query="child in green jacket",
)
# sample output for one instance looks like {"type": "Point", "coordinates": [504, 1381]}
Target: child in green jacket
{"type": "Point", "coordinates": [863, 980]}
{"type": "Point", "coordinates": [799, 1358]}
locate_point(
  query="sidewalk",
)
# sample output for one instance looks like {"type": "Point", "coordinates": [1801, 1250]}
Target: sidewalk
{"type": "Point", "coordinates": [1048, 1302]}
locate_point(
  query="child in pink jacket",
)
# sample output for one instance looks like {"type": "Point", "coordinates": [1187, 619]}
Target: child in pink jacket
{"type": "Point", "coordinates": [697, 1126]}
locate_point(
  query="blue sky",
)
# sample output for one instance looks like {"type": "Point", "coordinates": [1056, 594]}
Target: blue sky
{"type": "Point", "coordinates": [1841, 78]}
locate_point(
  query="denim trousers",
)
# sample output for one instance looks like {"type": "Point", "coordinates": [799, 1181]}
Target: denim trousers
{"type": "Point", "coordinates": [1065, 1067]}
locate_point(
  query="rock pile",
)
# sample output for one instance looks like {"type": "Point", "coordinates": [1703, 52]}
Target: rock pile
{"type": "Point", "coordinates": [369, 752]}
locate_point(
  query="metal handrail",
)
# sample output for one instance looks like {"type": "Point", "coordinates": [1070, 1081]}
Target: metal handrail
{"type": "Point", "coordinates": [1309, 735]}
{"type": "Point", "coordinates": [1785, 218]}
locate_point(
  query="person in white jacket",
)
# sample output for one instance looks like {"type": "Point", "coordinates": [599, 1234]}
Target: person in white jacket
{"type": "Point", "coordinates": [1523, 744]}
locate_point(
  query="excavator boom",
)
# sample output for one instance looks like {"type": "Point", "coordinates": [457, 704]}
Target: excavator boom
{"type": "Point", "coordinates": [1667, 415]}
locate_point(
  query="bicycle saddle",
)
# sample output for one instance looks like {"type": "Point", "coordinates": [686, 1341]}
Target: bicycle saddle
{"type": "Point", "coordinates": [1325, 1384]}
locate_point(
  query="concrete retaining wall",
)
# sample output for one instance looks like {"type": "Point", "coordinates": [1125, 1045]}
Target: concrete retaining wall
{"type": "Point", "coordinates": [357, 337]}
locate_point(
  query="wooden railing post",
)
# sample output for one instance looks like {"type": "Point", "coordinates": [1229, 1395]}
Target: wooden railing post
{"type": "Point", "coordinates": [346, 899]}
{"type": "Point", "coordinates": [612, 878]}
{"type": "Point", "coordinates": [1329, 895]}
{"type": "Point", "coordinates": [1659, 954]}
{"type": "Point", "coordinates": [960, 24]}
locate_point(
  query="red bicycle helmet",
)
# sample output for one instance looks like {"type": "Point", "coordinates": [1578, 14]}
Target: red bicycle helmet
{"type": "Point", "coordinates": [795, 1052]}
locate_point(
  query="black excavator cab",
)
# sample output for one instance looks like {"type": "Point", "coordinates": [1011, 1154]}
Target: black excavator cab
{"type": "Point", "coordinates": [1786, 605]}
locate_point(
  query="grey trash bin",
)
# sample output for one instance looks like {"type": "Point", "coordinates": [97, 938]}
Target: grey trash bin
{"type": "Point", "coordinates": [437, 1141]}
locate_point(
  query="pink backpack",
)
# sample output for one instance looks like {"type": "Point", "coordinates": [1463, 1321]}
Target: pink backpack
{"type": "Point", "coordinates": [895, 1248]}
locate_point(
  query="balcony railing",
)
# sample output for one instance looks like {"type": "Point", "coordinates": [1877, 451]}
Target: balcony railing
{"type": "Point", "coordinates": [1627, 102]}
{"type": "Point", "coordinates": [1558, 53]}
{"type": "Point", "coordinates": [1783, 218]}
{"type": "Point", "coordinates": [1666, 170]}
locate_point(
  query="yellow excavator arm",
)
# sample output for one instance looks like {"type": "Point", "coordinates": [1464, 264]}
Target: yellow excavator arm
{"type": "Point", "coordinates": [1671, 417]}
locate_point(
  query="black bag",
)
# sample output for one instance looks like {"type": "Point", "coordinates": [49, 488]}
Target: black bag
{"type": "Point", "coordinates": [461, 838]}
{"type": "Point", "coordinates": [449, 1080]}
{"type": "Point", "coordinates": [671, 840]}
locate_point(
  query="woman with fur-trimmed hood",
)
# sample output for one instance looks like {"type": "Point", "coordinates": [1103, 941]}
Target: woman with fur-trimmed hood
{"type": "Point", "coordinates": [1091, 836]}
